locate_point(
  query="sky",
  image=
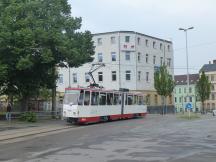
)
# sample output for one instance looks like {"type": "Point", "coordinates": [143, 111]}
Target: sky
{"type": "Point", "coordinates": [157, 18]}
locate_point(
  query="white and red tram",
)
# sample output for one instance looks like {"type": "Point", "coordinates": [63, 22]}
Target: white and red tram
{"type": "Point", "coordinates": [90, 105]}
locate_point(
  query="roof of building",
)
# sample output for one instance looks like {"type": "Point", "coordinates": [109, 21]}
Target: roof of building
{"type": "Point", "coordinates": [182, 79]}
{"type": "Point", "coordinates": [208, 67]}
{"type": "Point", "coordinates": [133, 32]}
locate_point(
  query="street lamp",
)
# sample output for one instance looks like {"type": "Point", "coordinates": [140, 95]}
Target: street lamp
{"type": "Point", "coordinates": [185, 30]}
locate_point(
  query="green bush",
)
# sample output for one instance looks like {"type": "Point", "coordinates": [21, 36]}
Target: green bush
{"type": "Point", "coordinates": [28, 116]}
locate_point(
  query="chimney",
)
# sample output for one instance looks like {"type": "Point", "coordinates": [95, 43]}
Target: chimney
{"type": "Point", "coordinates": [209, 62]}
{"type": "Point", "coordinates": [214, 61]}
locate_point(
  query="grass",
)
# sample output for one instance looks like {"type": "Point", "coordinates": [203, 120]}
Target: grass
{"type": "Point", "coordinates": [186, 116]}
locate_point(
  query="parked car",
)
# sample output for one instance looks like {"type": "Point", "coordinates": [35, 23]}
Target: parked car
{"type": "Point", "coordinates": [214, 112]}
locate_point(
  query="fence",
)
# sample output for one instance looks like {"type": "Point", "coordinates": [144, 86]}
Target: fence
{"type": "Point", "coordinates": [169, 109]}
{"type": "Point", "coordinates": [39, 114]}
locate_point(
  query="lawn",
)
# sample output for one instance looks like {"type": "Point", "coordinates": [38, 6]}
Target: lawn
{"type": "Point", "coordinates": [186, 116]}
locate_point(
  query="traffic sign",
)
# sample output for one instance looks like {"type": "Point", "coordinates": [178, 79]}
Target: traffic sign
{"type": "Point", "coordinates": [189, 106]}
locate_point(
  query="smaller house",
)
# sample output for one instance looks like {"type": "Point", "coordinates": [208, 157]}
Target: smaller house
{"type": "Point", "coordinates": [210, 72]}
{"type": "Point", "coordinates": [181, 92]}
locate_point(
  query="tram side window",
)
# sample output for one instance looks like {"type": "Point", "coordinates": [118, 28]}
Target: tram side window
{"type": "Point", "coordinates": [141, 101]}
{"type": "Point", "coordinates": [87, 98]}
{"type": "Point", "coordinates": [80, 102]}
{"type": "Point", "coordinates": [102, 99]}
{"type": "Point", "coordinates": [116, 99]}
{"type": "Point", "coordinates": [135, 100]}
{"type": "Point", "coordinates": [109, 98]}
{"type": "Point", "coordinates": [95, 98]}
{"type": "Point", "coordinates": [120, 99]}
{"type": "Point", "coordinates": [130, 99]}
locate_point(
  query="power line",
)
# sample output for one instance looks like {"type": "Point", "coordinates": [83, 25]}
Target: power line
{"type": "Point", "coordinates": [196, 45]}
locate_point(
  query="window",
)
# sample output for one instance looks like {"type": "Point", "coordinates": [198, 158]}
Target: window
{"type": "Point", "coordinates": [80, 101]}
{"type": "Point", "coordinates": [87, 98]}
{"type": "Point", "coordinates": [100, 76]}
{"type": "Point", "coordinates": [109, 98]}
{"type": "Point", "coordinates": [127, 55]}
{"type": "Point", "coordinates": [60, 78]}
{"type": "Point", "coordinates": [113, 54]}
{"type": "Point", "coordinates": [180, 99]}
{"type": "Point", "coordinates": [148, 99]}
{"type": "Point", "coordinates": [99, 41]}
{"type": "Point", "coordinates": [213, 97]}
{"type": "Point", "coordinates": [113, 75]}
{"type": "Point", "coordinates": [170, 99]}
{"type": "Point", "coordinates": [75, 77]}
{"type": "Point", "coordinates": [156, 99]}
{"type": "Point", "coordinates": [113, 40]}
{"type": "Point", "coordinates": [147, 76]}
{"type": "Point", "coordinates": [185, 90]}
{"type": "Point", "coordinates": [139, 56]}
{"type": "Point", "coordinates": [129, 99]}
{"type": "Point", "coordinates": [161, 46]}
{"type": "Point", "coordinates": [141, 100]}
{"type": "Point", "coordinates": [135, 100]}
{"type": "Point", "coordinates": [168, 47]}
{"type": "Point", "coordinates": [100, 57]}
{"type": "Point", "coordinates": [146, 58]}
{"type": "Point", "coordinates": [213, 106]}
{"type": "Point", "coordinates": [139, 75]}
{"type": "Point", "coordinates": [212, 77]}
{"type": "Point", "coordinates": [127, 39]}
{"type": "Point", "coordinates": [154, 59]}
{"type": "Point", "coordinates": [212, 87]}
{"type": "Point", "coordinates": [95, 98]}
{"type": "Point", "coordinates": [102, 99]}
{"type": "Point", "coordinates": [185, 99]}
{"type": "Point", "coordinates": [161, 61]}
{"type": "Point", "coordinates": [116, 99]}
{"type": "Point", "coordinates": [128, 75]}
{"type": "Point", "coordinates": [146, 42]}
{"type": "Point", "coordinates": [179, 90]}
{"type": "Point", "coordinates": [87, 77]}
{"type": "Point", "coordinates": [190, 99]}
{"type": "Point", "coordinates": [138, 40]}
{"type": "Point", "coordinates": [175, 99]}
{"type": "Point", "coordinates": [190, 90]}
{"type": "Point", "coordinates": [154, 45]}
{"type": "Point", "coordinates": [169, 62]}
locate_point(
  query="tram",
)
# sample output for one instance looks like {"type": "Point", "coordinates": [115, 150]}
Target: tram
{"type": "Point", "coordinates": [92, 105]}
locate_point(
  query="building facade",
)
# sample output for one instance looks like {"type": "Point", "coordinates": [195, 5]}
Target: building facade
{"type": "Point", "coordinates": [181, 92]}
{"type": "Point", "coordinates": [130, 59]}
{"type": "Point", "coordinates": [210, 72]}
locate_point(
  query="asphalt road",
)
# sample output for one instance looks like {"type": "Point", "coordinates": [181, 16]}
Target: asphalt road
{"type": "Point", "coordinates": [151, 139]}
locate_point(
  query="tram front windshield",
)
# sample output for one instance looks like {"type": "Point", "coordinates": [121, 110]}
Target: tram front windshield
{"type": "Point", "coordinates": [71, 97]}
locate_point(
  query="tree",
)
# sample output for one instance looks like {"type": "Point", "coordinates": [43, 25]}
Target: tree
{"type": "Point", "coordinates": [36, 37]}
{"type": "Point", "coordinates": [203, 89]}
{"type": "Point", "coordinates": [163, 83]}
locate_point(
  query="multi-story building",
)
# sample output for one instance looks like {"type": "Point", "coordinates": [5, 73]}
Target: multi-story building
{"type": "Point", "coordinates": [130, 59]}
{"type": "Point", "coordinates": [210, 72]}
{"type": "Point", "coordinates": [181, 92]}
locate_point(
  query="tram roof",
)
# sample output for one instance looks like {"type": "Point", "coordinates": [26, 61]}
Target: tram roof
{"type": "Point", "coordinates": [98, 90]}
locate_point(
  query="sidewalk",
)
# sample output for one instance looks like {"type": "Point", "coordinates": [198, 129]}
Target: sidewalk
{"type": "Point", "coordinates": [17, 129]}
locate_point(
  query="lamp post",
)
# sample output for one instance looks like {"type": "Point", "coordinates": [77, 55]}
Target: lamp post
{"type": "Point", "coordinates": [185, 30]}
